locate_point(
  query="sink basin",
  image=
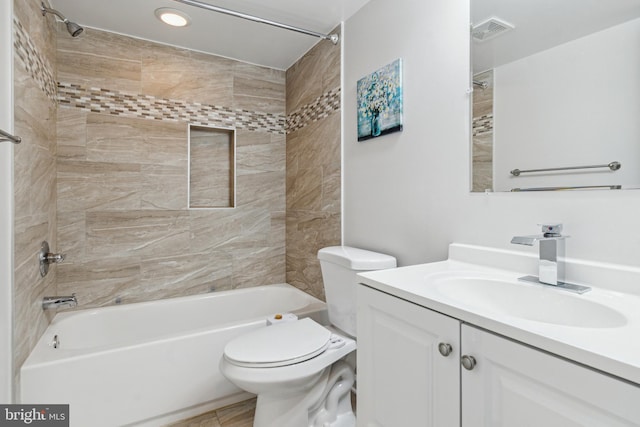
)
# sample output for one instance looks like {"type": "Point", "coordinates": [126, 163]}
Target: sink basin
{"type": "Point", "coordinates": [533, 302]}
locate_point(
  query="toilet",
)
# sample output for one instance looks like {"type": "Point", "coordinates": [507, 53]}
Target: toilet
{"type": "Point", "coordinates": [297, 368]}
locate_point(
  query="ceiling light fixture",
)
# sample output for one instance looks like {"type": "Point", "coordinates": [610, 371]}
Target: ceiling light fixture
{"type": "Point", "coordinates": [173, 17]}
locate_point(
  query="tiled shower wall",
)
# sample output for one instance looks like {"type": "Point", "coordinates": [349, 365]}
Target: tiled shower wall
{"type": "Point", "coordinates": [483, 133]}
{"type": "Point", "coordinates": [122, 171]}
{"type": "Point", "coordinates": [313, 164]}
{"type": "Point", "coordinates": [34, 172]}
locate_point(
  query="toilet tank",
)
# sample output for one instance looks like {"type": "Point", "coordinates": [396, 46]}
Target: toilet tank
{"type": "Point", "coordinates": [339, 265]}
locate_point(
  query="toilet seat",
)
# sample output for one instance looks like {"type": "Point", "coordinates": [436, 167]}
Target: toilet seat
{"type": "Point", "coordinates": [279, 345]}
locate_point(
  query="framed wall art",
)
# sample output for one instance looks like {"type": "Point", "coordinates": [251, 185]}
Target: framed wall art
{"type": "Point", "coordinates": [380, 102]}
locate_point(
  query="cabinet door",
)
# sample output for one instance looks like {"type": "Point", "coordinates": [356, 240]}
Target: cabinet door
{"type": "Point", "coordinates": [516, 385]}
{"type": "Point", "coordinates": [403, 380]}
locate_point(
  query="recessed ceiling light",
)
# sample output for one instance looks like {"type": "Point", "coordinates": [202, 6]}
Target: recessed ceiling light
{"type": "Point", "coordinates": [173, 17]}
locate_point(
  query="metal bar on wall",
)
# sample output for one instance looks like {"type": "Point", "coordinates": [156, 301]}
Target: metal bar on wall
{"type": "Point", "coordinates": [332, 37]}
{"type": "Point", "coordinates": [4, 136]}
{"type": "Point", "coordinates": [614, 166]}
{"type": "Point", "coordinates": [579, 187]}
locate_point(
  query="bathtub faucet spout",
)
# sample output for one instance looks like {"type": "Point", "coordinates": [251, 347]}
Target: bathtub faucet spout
{"type": "Point", "coordinates": [59, 302]}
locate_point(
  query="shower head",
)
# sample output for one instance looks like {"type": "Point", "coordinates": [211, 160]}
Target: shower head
{"type": "Point", "coordinates": [74, 29]}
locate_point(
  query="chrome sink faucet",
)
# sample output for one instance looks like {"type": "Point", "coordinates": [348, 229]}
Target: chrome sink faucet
{"type": "Point", "coordinates": [550, 270]}
{"type": "Point", "coordinates": [551, 246]}
{"type": "Point", "coordinates": [59, 302]}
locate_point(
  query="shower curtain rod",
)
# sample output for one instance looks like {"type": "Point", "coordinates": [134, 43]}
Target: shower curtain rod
{"type": "Point", "coordinates": [333, 37]}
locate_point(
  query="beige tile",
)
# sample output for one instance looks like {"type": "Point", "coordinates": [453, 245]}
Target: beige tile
{"type": "Point", "coordinates": [102, 43]}
{"type": "Point", "coordinates": [215, 229]}
{"type": "Point", "coordinates": [41, 31]}
{"type": "Point", "coordinates": [99, 282]}
{"type": "Point", "coordinates": [262, 189]}
{"type": "Point", "coordinates": [125, 140]}
{"type": "Point", "coordinates": [260, 152]}
{"type": "Point", "coordinates": [174, 275]}
{"type": "Point", "coordinates": [34, 178]}
{"type": "Point", "coordinates": [307, 232]}
{"type": "Point", "coordinates": [482, 176]}
{"type": "Point", "coordinates": [178, 74]}
{"type": "Point", "coordinates": [482, 108]}
{"type": "Point", "coordinates": [71, 233]}
{"type": "Point", "coordinates": [317, 72]}
{"type": "Point", "coordinates": [35, 113]}
{"type": "Point", "coordinates": [72, 134]}
{"type": "Point", "coordinates": [136, 233]}
{"type": "Point", "coordinates": [210, 419]}
{"type": "Point", "coordinates": [258, 266]}
{"type": "Point", "coordinates": [163, 187]}
{"type": "Point", "coordinates": [91, 70]}
{"type": "Point", "coordinates": [251, 71]}
{"type": "Point", "coordinates": [211, 168]}
{"type": "Point", "coordinates": [42, 181]}
{"type": "Point", "coordinates": [331, 190]}
{"type": "Point", "coordinates": [253, 94]}
{"type": "Point", "coordinates": [305, 191]}
{"type": "Point", "coordinates": [483, 98]}
{"type": "Point", "coordinates": [313, 171]}
{"type": "Point", "coordinates": [320, 142]}
{"type": "Point", "coordinates": [93, 186]}
{"type": "Point", "coordinates": [331, 73]}
{"type": "Point", "coordinates": [30, 231]}
{"type": "Point", "coordinates": [238, 415]}
{"type": "Point", "coordinates": [100, 59]}
{"type": "Point", "coordinates": [483, 148]}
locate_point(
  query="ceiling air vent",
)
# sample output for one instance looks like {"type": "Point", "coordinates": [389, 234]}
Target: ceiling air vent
{"type": "Point", "coordinates": [490, 28]}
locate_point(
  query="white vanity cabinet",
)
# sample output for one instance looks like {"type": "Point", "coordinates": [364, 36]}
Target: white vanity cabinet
{"type": "Point", "coordinates": [404, 380]}
{"type": "Point", "coordinates": [515, 385]}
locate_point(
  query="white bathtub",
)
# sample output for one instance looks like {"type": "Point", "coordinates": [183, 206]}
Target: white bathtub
{"type": "Point", "coordinates": [148, 364]}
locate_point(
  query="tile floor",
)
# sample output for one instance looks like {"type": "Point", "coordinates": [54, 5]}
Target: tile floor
{"type": "Point", "coordinates": [238, 415]}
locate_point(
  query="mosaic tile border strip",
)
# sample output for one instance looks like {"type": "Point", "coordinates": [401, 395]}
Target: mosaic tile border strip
{"type": "Point", "coordinates": [118, 103]}
{"type": "Point", "coordinates": [33, 61]}
{"type": "Point", "coordinates": [320, 108]}
{"type": "Point", "coordinates": [482, 125]}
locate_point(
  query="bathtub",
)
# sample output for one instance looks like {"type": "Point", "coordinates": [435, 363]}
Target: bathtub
{"type": "Point", "coordinates": [151, 363]}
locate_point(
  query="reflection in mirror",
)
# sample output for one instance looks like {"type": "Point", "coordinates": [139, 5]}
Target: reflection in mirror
{"type": "Point", "coordinates": [211, 167]}
{"type": "Point", "coordinates": [556, 85]}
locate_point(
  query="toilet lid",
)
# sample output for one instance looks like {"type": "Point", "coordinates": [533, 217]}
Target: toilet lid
{"type": "Point", "coordinates": [279, 345]}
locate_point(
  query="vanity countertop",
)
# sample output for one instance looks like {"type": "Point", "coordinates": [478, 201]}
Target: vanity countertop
{"type": "Point", "coordinates": [599, 329]}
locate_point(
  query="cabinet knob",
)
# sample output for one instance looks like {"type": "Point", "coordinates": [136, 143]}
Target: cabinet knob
{"type": "Point", "coordinates": [445, 349]}
{"type": "Point", "coordinates": [468, 362]}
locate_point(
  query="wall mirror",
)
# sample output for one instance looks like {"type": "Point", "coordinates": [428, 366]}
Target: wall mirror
{"type": "Point", "coordinates": [211, 168]}
{"type": "Point", "coordinates": [556, 86]}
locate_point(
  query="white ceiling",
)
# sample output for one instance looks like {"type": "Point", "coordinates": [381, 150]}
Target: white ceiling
{"type": "Point", "coordinates": [217, 33]}
{"type": "Point", "coordinates": [542, 24]}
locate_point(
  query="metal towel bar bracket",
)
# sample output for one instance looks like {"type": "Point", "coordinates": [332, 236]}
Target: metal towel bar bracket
{"type": "Point", "coordinates": [4, 136]}
{"type": "Point", "coordinates": [614, 166]}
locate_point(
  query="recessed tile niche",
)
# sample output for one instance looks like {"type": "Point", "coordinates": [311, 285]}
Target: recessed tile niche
{"type": "Point", "coordinates": [211, 167]}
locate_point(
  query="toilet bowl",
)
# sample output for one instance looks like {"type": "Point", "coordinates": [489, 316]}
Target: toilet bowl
{"type": "Point", "coordinates": [296, 368]}
{"type": "Point", "coordinates": [289, 367]}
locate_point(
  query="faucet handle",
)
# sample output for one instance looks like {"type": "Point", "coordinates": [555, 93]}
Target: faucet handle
{"type": "Point", "coordinates": [551, 230]}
